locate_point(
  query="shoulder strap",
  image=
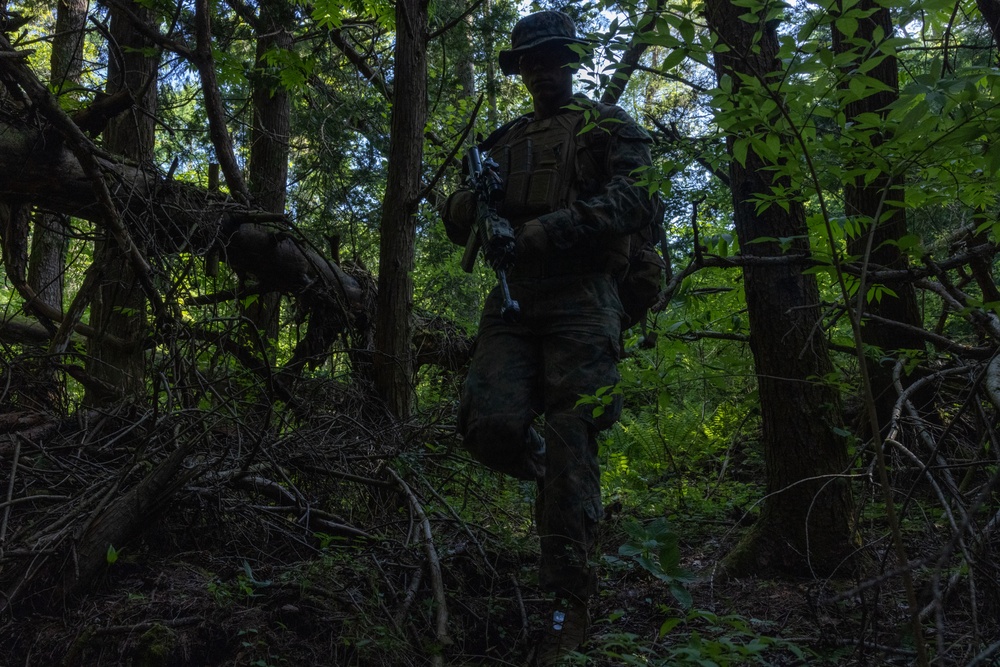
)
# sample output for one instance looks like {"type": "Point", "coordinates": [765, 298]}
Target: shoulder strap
{"type": "Point", "coordinates": [498, 133]}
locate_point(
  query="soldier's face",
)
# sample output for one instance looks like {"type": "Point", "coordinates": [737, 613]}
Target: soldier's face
{"type": "Point", "coordinates": [546, 73]}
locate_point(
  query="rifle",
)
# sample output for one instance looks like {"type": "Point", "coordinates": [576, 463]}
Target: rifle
{"type": "Point", "coordinates": [490, 233]}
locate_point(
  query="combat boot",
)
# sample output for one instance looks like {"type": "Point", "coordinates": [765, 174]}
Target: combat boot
{"type": "Point", "coordinates": [565, 631]}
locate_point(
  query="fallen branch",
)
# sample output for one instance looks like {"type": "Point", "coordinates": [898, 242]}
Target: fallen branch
{"type": "Point", "coordinates": [434, 565]}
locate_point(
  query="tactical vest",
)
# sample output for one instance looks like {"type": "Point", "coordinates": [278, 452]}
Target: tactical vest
{"type": "Point", "coordinates": [547, 165]}
{"type": "Point", "coordinates": [538, 166]}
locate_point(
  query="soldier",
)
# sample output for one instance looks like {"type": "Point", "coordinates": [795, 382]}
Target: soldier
{"type": "Point", "coordinates": [572, 200]}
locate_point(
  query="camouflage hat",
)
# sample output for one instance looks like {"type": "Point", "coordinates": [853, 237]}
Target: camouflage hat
{"type": "Point", "coordinates": [548, 28]}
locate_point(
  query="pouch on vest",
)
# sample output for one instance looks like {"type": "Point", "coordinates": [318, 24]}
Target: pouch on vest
{"type": "Point", "coordinates": [537, 162]}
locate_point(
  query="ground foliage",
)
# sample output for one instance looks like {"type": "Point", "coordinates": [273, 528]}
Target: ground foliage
{"type": "Point", "coordinates": [343, 537]}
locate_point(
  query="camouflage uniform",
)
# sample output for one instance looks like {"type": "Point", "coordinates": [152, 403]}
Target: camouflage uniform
{"type": "Point", "coordinates": [566, 343]}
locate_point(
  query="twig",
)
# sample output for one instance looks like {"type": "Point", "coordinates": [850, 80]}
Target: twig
{"type": "Point", "coordinates": [146, 625]}
{"type": "Point", "coordinates": [350, 477]}
{"type": "Point", "coordinates": [465, 527]}
{"type": "Point", "coordinates": [453, 152]}
{"type": "Point", "coordinates": [10, 487]}
{"type": "Point", "coordinates": [987, 653]}
{"type": "Point", "coordinates": [25, 499]}
{"type": "Point", "coordinates": [411, 595]}
{"type": "Point", "coordinates": [455, 21]}
{"type": "Point", "coordinates": [434, 565]}
{"type": "Point", "coordinates": [520, 605]}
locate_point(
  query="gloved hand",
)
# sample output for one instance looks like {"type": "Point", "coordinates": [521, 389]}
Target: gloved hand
{"type": "Point", "coordinates": [532, 239]}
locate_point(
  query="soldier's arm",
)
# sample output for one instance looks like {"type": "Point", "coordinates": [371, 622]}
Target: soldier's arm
{"type": "Point", "coordinates": [621, 207]}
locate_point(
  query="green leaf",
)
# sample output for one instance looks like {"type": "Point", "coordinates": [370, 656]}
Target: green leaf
{"type": "Point", "coordinates": [857, 87]}
{"type": "Point", "coordinates": [629, 550]}
{"type": "Point", "coordinates": [673, 59]}
{"type": "Point", "coordinates": [668, 625]}
{"type": "Point", "coordinates": [682, 596]}
{"type": "Point", "coordinates": [112, 555]}
{"type": "Point", "coordinates": [773, 142]}
{"type": "Point", "coordinates": [912, 117]}
{"type": "Point", "coordinates": [740, 148]}
{"type": "Point", "coordinates": [847, 25]}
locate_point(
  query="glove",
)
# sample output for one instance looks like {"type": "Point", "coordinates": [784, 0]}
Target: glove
{"type": "Point", "coordinates": [532, 239]}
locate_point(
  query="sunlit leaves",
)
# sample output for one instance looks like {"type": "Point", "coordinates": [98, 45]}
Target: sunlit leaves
{"type": "Point", "coordinates": [327, 14]}
{"type": "Point", "coordinates": [293, 69]}
{"type": "Point", "coordinates": [331, 15]}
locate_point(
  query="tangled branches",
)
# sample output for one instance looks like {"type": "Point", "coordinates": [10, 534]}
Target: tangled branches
{"type": "Point", "coordinates": [329, 526]}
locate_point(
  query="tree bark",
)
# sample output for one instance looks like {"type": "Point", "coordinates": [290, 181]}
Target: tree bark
{"type": "Point", "coordinates": [119, 308]}
{"type": "Point", "coordinates": [990, 9]}
{"type": "Point", "coordinates": [876, 205]}
{"type": "Point", "coordinates": [393, 360]}
{"type": "Point", "coordinates": [49, 241]}
{"type": "Point", "coordinates": [268, 168]}
{"type": "Point", "coordinates": [804, 527]}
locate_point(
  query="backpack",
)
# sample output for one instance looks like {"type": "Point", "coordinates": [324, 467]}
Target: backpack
{"type": "Point", "coordinates": [646, 272]}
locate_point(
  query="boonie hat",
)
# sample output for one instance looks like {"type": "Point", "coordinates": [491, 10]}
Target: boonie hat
{"type": "Point", "coordinates": [548, 28]}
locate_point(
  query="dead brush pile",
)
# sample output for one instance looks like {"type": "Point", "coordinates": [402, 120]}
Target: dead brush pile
{"type": "Point", "coordinates": [191, 535]}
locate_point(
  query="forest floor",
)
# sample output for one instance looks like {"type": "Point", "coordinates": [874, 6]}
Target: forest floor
{"type": "Point", "coordinates": [165, 603]}
{"type": "Point", "coordinates": [347, 543]}
{"type": "Point", "coordinates": [157, 608]}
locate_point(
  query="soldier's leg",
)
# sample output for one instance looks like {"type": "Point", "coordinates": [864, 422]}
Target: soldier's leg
{"type": "Point", "coordinates": [570, 509]}
{"type": "Point", "coordinates": [500, 400]}
{"type": "Point", "coordinates": [578, 364]}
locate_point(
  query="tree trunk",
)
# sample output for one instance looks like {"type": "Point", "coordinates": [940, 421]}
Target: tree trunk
{"type": "Point", "coordinates": [393, 361]}
{"type": "Point", "coordinates": [49, 241]}
{"type": "Point", "coordinates": [46, 264]}
{"type": "Point", "coordinates": [804, 527]}
{"type": "Point", "coordinates": [120, 306]}
{"type": "Point", "coordinates": [990, 9]}
{"type": "Point", "coordinates": [876, 205]}
{"type": "Point", "coordinates": [268, 168]}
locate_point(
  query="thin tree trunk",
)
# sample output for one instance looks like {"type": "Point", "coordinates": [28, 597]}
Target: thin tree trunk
{"type": "Point", "coordinates": [49, 241]}
{"type": "Point", "coordinates": [393, 360]}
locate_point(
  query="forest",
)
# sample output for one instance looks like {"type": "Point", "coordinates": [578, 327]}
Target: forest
{"type": "Point", "coordinates": [234, 333]}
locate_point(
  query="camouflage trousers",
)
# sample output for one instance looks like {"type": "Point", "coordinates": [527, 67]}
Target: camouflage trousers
{"type": "Point", "coordinates": [566, 345]}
